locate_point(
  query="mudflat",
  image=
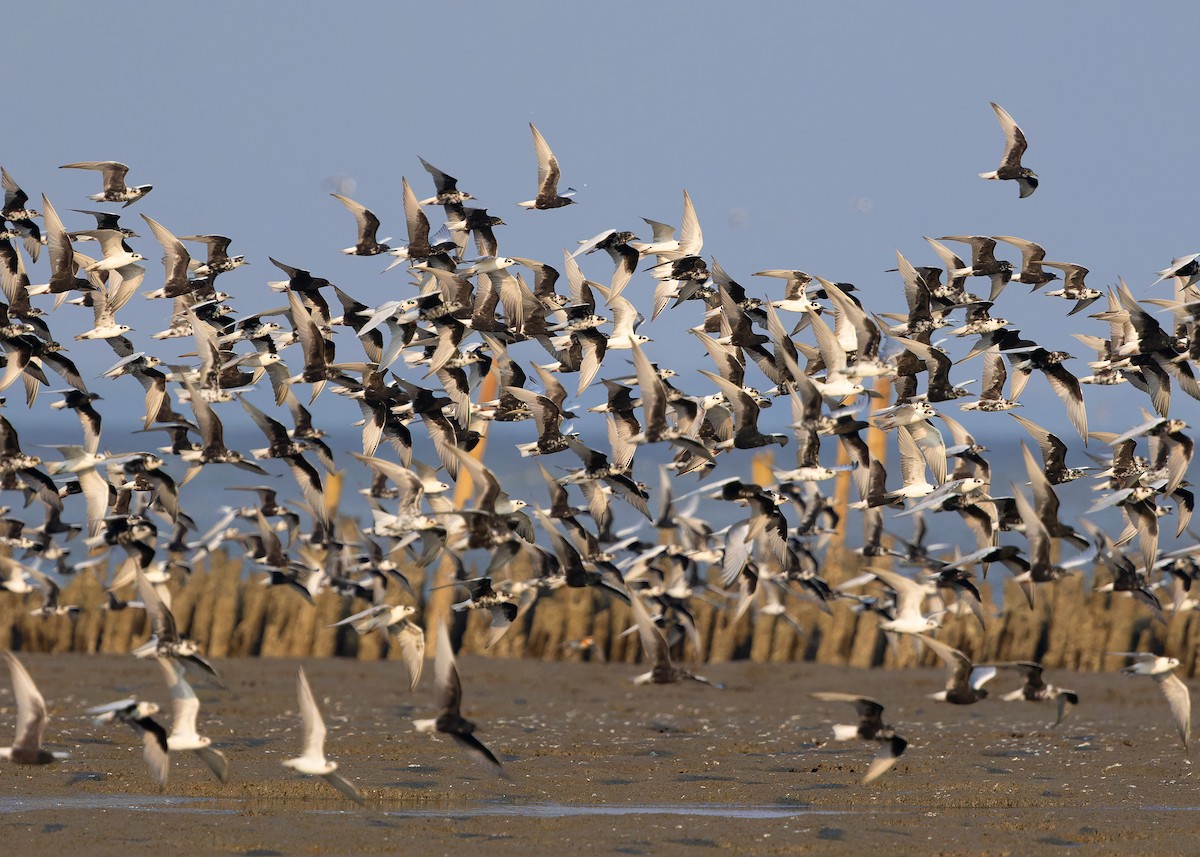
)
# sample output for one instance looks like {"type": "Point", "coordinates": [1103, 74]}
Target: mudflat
{"type": "Point", "coordinates": [594, 762]}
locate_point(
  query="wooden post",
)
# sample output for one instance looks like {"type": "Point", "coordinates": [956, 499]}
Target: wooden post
{"type": "Point", "coordinates": [762, 472]}
{"type": "Point", "coordinates": [877, 442]}
{"type": "Point", "coordinates": [442, 595]}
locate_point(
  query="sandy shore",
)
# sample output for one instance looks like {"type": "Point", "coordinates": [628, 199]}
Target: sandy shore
{"type": "Point", "coordinates": [595, 761]}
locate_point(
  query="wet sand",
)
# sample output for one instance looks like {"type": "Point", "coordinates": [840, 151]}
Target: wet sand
{"type": "Point", "coordinates": [596, 762]}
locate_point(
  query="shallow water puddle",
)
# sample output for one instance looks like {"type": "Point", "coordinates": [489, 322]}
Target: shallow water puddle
{"type": "Point", "coordinates": [139, 803]}
{"type": "Point", "coordinates": [152, 803]}
{"type": "Point", "coordinates": [166, 803]}
{"type": "Point", "coordinates": [564, 810]}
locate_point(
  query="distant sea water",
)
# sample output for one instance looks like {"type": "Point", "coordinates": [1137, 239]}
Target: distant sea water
{"type": "Point", "coordinates": [206, 497]}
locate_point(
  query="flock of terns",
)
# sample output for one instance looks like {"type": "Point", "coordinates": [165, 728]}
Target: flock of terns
{"type": "Point", "coordinates": [510, 339]}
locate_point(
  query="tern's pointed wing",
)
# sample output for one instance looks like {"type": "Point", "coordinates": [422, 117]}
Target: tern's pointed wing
{"type": "Point", "coordinates": [447, 686]}
{"type": "Point", "coordinates": [909, 594]}
{"type": "Point", "coordinates": [411, 640]}
{"type": "Point", "coordinates": [912, 462]}
{"type": "Point", "coordinates": [981, 676]}
{"type": "Point", "coordinates": [31, 707]}
{"type": "Point", "coordinates": [548, 171]}
{"type": "Point", "coordinates": [958, 665]}
{"type": "Point", "coordinates": [175, 256]}
{"type": "Point", "coordinates": [184, 703]}
{"type": "Point", "coordinates": [1014, 139]}
{"type": "Point", "coordinates": [691, 239]}
{"type": "Point", "coordinates": [373, 610]}
{"type": "Point", "coordinates": [870, 712]}
{"type": "Point", "coordinates": [478, 750]}
{"type": "Point", "coordinates": [161, 620]}
{"type": "Point", "coordinates": [652, 638]}
{"type": "Point", "coordinates": [831, 350]}
{"type": "Point", "coordinates": [314, 726]}
{"type": "Point", "coordinates": [1180, 700]}
{"type": "Point", "coordinates": [344, 786]}
{"type": "Point", "coordinates": [154, 749]}
{"type": "Point", "coordinates": [889, 752]}
{"type": "Point", "coordinates": [364, 218]}
{"type": "Point", "coordinates": [414, 217]}
{"type": "Point", "coordinates": [1067, 699]}
{"type": "Point", "coordinates": [216, 762]}
{"type": "Point", "coordinates": [119, 705]}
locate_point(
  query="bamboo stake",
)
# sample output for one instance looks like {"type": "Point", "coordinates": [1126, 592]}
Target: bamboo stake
{"type": "Point", "coordinates": [877, 443]}
{"type": "Point", "coordinates": [762, 471]}
{"type": "Point", "coordinates": [442, 594]}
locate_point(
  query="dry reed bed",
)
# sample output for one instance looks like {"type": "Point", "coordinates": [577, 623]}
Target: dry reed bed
{"type": "Point", "coordinates": [232, 615]}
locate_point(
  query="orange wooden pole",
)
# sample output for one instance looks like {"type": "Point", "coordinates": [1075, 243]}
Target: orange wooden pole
{"type": "Point", "coordinates": [442, 594]}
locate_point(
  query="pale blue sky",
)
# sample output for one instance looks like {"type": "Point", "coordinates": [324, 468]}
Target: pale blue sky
{"type": "Point", "coordinates": [815, 136]}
